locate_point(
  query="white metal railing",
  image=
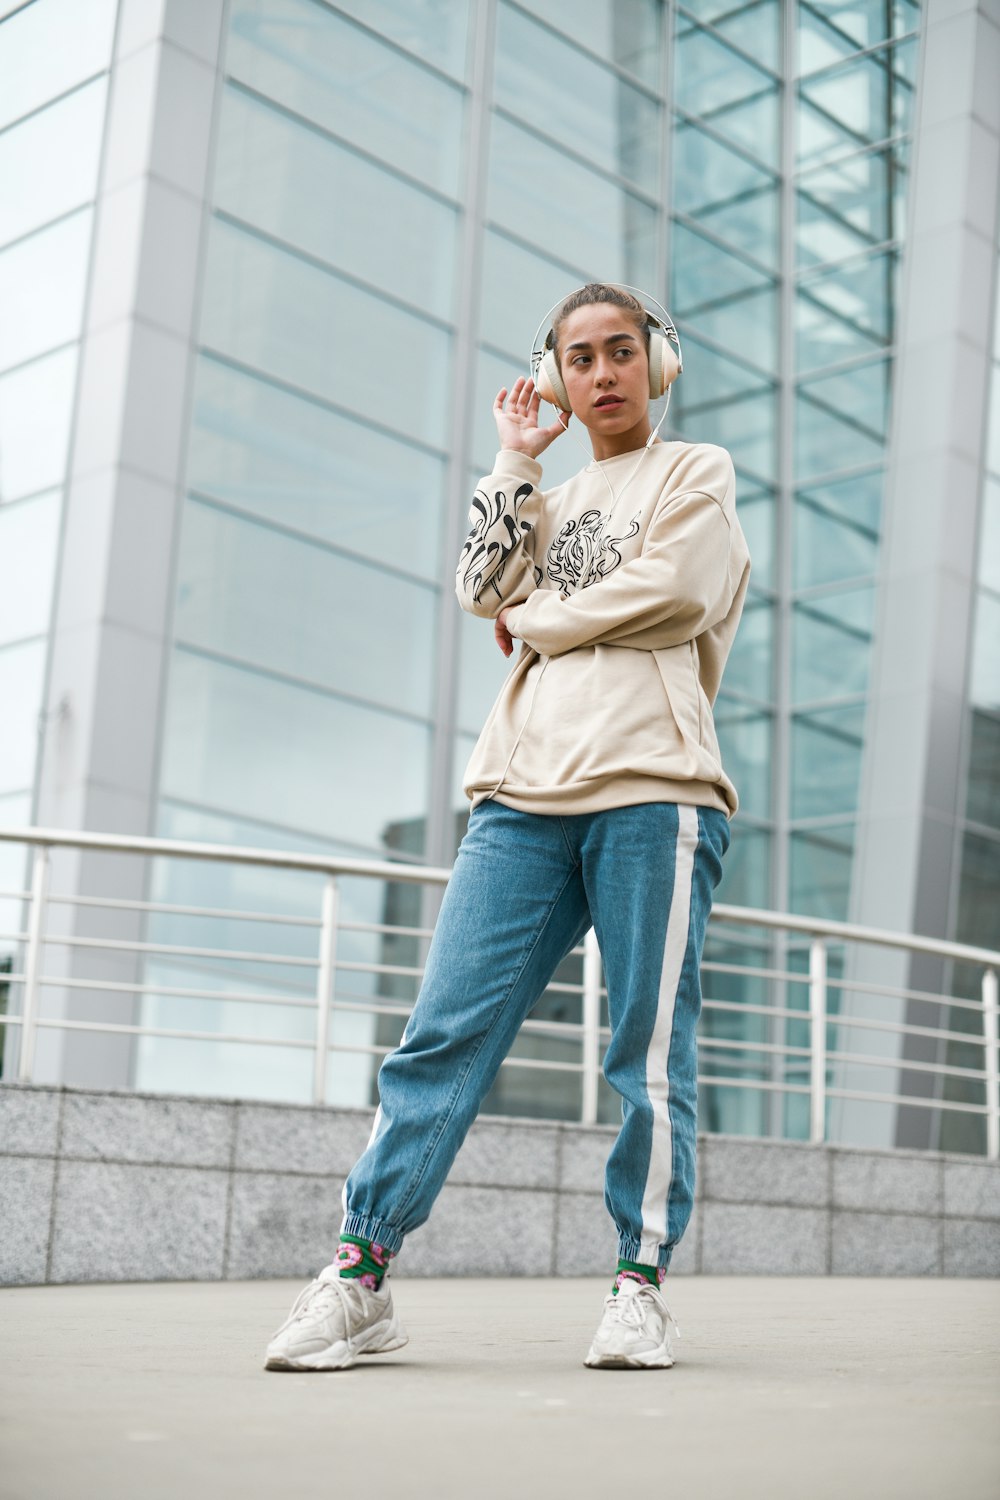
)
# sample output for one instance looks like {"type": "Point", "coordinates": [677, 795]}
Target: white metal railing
{"type": "Point", "coordinates": [814, 1060]}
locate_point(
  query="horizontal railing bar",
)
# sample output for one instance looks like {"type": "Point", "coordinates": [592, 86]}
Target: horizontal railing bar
{"type": "Point", "coordinates": [778, 1011]}
{"type": "Point", "coordinates": [866, 1023]}
{"type": "Point", "coordinates": [13, 937]}
{"type": "Point", "coordinates": [6, 1020]}
{"type": "Point", "coordinates": [168, 909]}
{"type": "Point", "coordinates": [967, 1109]}
{"type": "Point", "coordinates": [905, 1064]}
{"type": "Point", "coordinates": [15, 895]}
{"type": "Point", "coordinates": [234, 955]}
{"type": "Point", "coordinates": [387, 928]}
{"type": "Point", "coordinates": [740, 916]}
{"type": "Point", "coordinates": [753, 1083]}
{"type": "Point", "coordinates": [734, 1044]}
{"type": "Point", "coordinates": [864, 988]}
{"type": "Point", "coordinates": [174, 992]}
{"type": "Point", "coordinates": [785, 975]}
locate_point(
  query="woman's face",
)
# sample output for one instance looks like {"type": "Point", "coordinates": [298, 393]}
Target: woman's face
{"type": "Point", "coordinates": [605, 368]}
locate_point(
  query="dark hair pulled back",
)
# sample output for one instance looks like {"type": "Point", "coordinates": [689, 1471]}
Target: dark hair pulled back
{"type": "Point", "coordinates": [601, 292]}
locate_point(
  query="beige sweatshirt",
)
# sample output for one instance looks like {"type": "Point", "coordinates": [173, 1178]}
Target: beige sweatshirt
{"type": "Point", "coordinates": [610, 700]}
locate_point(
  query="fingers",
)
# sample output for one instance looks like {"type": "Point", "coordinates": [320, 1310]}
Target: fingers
{"type": "Point", "coordinates": [503, 637]}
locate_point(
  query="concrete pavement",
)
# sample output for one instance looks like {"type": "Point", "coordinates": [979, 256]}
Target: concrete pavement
{"type": "Point", "coordinates": [804, 1387]}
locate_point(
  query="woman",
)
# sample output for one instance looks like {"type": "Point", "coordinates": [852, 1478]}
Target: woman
{"type": "Point", "coordinates": [598, 798]}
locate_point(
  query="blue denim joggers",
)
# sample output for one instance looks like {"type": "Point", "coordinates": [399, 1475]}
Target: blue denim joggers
{"type": "Point", "coordinates": [525, 889]}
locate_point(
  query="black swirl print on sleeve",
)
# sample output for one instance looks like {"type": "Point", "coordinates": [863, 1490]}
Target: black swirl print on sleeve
{"type": "Point", "coordinates": [579, 551]}
{"type": "Point", "coordinates": [496, 533]}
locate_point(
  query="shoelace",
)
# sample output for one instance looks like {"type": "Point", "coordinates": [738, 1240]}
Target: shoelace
{"type": "Point", "coordinates": [627, 1309]}
{"type": "Point", "coordinates": [319, 1296]}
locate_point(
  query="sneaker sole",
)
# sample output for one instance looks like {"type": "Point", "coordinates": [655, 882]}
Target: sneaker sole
{"type": "Point", "coordinates": [380, 1339]}
{"type": "Point", "coordinates": [656, 1359]}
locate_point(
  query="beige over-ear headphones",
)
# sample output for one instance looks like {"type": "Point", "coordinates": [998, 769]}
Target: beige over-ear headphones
{"type": "Point", "coordinates": [664, 353]}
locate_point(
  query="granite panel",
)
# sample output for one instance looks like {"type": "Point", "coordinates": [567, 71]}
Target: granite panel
{"type": "Point", "coordinates": [585, 1151]}
{"type": "Point", "coordinates": [885, 1245]}
{"type": "Point", "coordinates": [586, 1238]}
{"type": "Point", "coordinates": [972, 1190]}
{"type": "Point", "coordinates": [282, 1226]}
{"type": "Point", "coordinates": [738, 1171]}
{"type": "Point", "coordinates": [476, 1231]}
{"type": "Point", "coordinates": [971, 1248]}
{"type": "Point", "coordinates": [29, 1121]}
{"type": "Point", "coordinates": [887, 1184]}
{"type": "Point", "coordinates": [25, 1209]}
{"type": "Point", "coordinates": [508, 1155]}
{"type": "Point", "coordinates": [116, 1222]}
{"type": "Point", "coordinates": [751, 1239]}
{"type": "Point", "coordinates": [284, 1138]}
{"type": "Point", "coordinates": [134, 1128]}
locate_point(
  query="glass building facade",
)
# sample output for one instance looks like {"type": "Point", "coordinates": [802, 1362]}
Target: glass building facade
{"type": "Point", "coordinates": [387, 199]}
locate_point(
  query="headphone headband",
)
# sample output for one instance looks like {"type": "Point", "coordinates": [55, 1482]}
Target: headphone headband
{"type": "Point", "coordinates": [665, 357]}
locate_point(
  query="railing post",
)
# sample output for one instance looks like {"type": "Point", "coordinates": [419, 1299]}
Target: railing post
{"type": "Point", "coordinates": [591, 1027]}
{"type": "Point", "coordinates": [817, 1041]}
{"type": "Point", "coordinates": [33, 962]}
{"type": "Point", "coordinates": [991, 1036]}
{"type": "Point", "coordinates": [324, 985]}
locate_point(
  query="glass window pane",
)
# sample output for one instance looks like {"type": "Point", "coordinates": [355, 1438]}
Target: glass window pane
{"type": "Point", "coordinates": [518, 288]}
{"type": "Point", "coordinates": [729, 93]}
{"type": "Point", "coordinates": [989, 531]}
{"type": "Point", "coordinates": [36, 406]}
{"type": "Point", "coordinates": [826, 442]}
{"type": "Point", "coordinates": [820, 881]}
{"type": "Point", "coordinates": [50, 47]}
{"type": "Point", "coordinates": [291, 460]}
{"type": "Point", "coordinates": [871, 95]}
{"type": "Point", "coordinates": [979, 894]}
{"type": "Point", "coordinates": [626, 32]}
{"type": "Point", "coordinates": [481, 672]}
{"type": "Point", "coordinates": [747, 324]}
{"type": "Point", "coordinates": [733, 198]}
{"type": "Point", "coordinates": [22, 677]}
{"type": "Point", "coordinates": [703, 272]}
{"type": "Point", "coordinates": [745, 741]}
{"type": "Point", "coordinates": [746, 869]}
{"type": "Point", "coordinates": [858, 499]}
{"type": "Point", "coordinates": [827, 548]}
{"type": "Point", "coordinates": [864, 22]}
{"type": "Point", "coordinates": [318, 64]}
{"type": "Point", "coordinates": [270, 310]}
{"type": "Point", "coordinates": [845, 312]}
{"type": "Point", "coordinates": [831, 645]}
{"type": "Point", "coordinates": [749, 667]}
{"type": "Point", "coordinates": [574, 214]}
{"type": "Point", "coordinates": [48, 164]}
{"type": "Point", "coordinates": [251, 747]}
{"type": "Point", "coordinates": [42, 281]}
{"type": "Point", "coordinates": [983, 799]}
{"type": "Point", "coordinates": [267, 168]}
{"type": "Point", "coordinates": [984, 687]}
{"type": "Point", "coordinates": [756, 27]}
{"type": "Point", "coordinates": [433, 29]}
{"type": "Point", "coordinates": [247, 591]}
{"type": "Point", "coordinates": [747, 427]}
{"type": "Point", "coordinates": [29, 535]}
{"type": "Point", "coordinates": [855, 201]}
{"type": "Point", "coordinates": [623, 129]}
{"type": "Point", "coordinates": [826, 761]}
{"type": "Point", "coordinates": [757, 518]}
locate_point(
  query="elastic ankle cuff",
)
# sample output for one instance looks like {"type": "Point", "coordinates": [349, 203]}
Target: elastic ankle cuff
{"type": "Point", "coordinates": [642, 1254]}
{"type": "Point", "coordinates": [376, 1231]}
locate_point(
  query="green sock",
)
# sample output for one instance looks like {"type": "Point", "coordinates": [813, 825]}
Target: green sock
{"type": "Point", "coordinates": [630, 1270]}
{"type": "Point", "coordinates": [362, 1260]}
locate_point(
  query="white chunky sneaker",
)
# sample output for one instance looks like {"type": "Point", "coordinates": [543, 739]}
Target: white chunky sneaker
{"type": "Point", "coordinates": [634, 1332]}
{"type": "Point", "coordinates": [332, 1321]}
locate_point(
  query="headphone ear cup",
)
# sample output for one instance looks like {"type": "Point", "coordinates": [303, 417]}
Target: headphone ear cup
{"type": "Point", "coordinates": [664, 366]}
{"type": "Point", "coordinates": [549, 382]}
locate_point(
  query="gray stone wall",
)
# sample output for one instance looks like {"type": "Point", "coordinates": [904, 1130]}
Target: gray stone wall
{"type": "Point", "coordinates": [104, 1186]}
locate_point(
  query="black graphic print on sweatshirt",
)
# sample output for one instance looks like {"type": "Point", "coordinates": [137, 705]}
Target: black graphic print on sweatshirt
{"type": "Point", "coordinates": [494, 536]}
{"type": "Point", "coordinates": [579, 551]}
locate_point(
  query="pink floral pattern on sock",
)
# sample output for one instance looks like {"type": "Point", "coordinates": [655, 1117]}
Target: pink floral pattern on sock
{"type": "Point", "coordinates": [629, 1276]}
{"type": "Point", "coordinates": [379, 1254]}
{"type": "Point", "coordinates": [661, 1275]}
{"type": "Point", "coordinates": [368, 1281]}
{"type": "Point", "coordinates": [348, 1255]}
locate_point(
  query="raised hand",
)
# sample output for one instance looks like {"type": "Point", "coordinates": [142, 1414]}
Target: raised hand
{"type": "Point", "coordinates": [517, 421]}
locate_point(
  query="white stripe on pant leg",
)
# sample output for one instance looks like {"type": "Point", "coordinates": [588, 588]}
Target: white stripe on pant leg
{"type": "Point", "coordinates": [661, 1156]}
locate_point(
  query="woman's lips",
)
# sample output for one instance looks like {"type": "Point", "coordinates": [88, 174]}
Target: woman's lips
{"type": "Point", "coordinates": [608, 401]}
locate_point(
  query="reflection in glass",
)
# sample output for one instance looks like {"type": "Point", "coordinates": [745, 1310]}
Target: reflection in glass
{"type": "Point", "coordinates": [735, 199]}
{"type": "Point", "coordinates": [49, 48]}
{"type": "Point", "coordinates": [821, 872]}
{"type": "Point", "coordinates": [826, 442]}
{"type": "Point", "coordinates": [36, 404]}
{"type": "Point", "coordinates": [292, 460]}
{"type": "Point", "coordinates": [246, 590]}
{"type": "Point", "coordinates": [66, 138]}
{"type": "Point", "coordinates": [22, 676]}
{"type": "Point", "coordinates": [827, 548]}
{"type": "Point", "coordinates": [826, 761]}
{"type": "Point", "coordinates": [533, 64]}
{"type": "Point", "coordinates": [29, 533]}
{"type": "Point", "coordinates": [984, 684]}
{"type": "Point", "coordinates": [577, 215]}
{"type": "Point", "coordinates": [317, 63]}
{"type": "Point", "coordinates": [268, 309]}
{"type": "Point", "coordinates": [267, 168]}
{"type": "Point", "coordinates": [627, 32]}
{"type": "Point", "coordinates": [519, 286]}
{"type": "Point", "coordinates": [42, 281]}
{"type": "Point", "coordinates": [745, 741]}
{"type": "Point", "coordinates": [750, 663]}
{"type": "Point", "coordinates": [726, 91]}
{"type": "Point", "coordinates": [433, 29]}
{"type": "Point", "coordinates": [831, 645]}
{"type": "Point", "coordinates": [248, 746]}
{"type": "Point", "coordinates": [983, 796]}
